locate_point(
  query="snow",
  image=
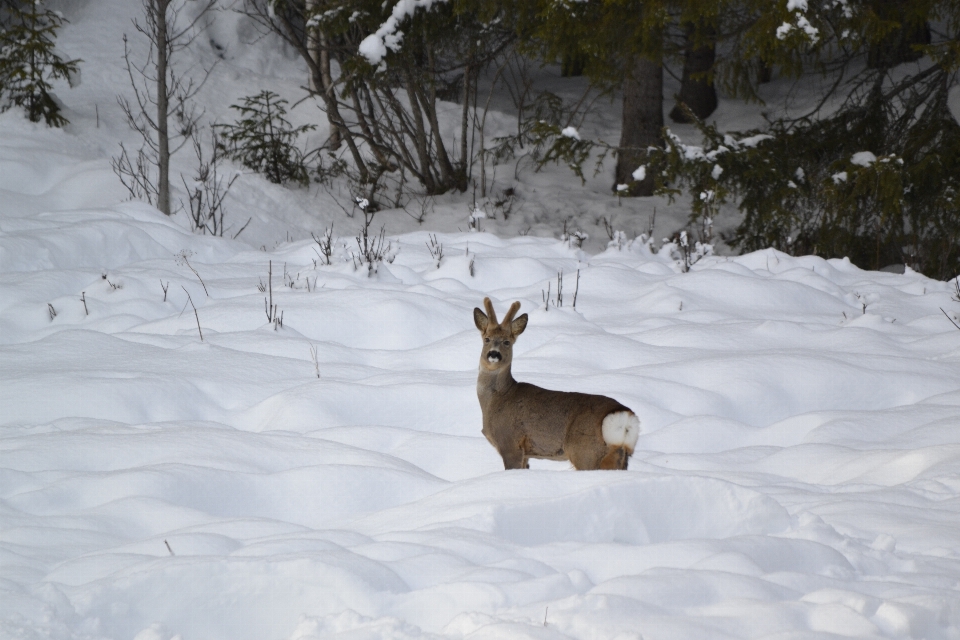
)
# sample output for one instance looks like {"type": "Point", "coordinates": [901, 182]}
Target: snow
{"type": "Point", "coordinates": [570, 132]}
{"type": "Point", "coordinates": [374, 47]}
{"type": "Point", "coordinates": [796, 474]}
{"type": "Point", "coordinates": [863, 159]}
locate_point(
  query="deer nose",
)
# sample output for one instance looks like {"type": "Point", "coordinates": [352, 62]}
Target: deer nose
{"type": "Point", "coordinates": [494, 356]}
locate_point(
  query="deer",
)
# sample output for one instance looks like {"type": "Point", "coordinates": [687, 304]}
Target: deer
{"type": "Point", "coordinates": [524, 421]}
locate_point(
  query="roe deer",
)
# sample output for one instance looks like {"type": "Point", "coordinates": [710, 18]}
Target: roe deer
{"type": "Point", "coordinates": [524, 421]}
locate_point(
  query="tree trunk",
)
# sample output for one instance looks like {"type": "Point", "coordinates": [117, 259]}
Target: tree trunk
{"type": "Point", "coordinates": [163, 107]}
{"type": "Point", "coordinates": [572, 65]}
{"type": "Point", "coordinates": [696, 87]}
{"type": "Point", "coordinates": [319, 52]}
{"type": "Point", "coordinates": [642, 123]}
{"type": "Point", "coordinates": [764, 72]}
{"type": "Point", "coordinates": [897, 46]}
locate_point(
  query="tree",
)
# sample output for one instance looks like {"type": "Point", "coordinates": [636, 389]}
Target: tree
{"type": "Point", "coordinates": [908, 32]}
{"type": "Point", "coordinates": [697, 91]}
{"type": "Point", "coordinates": [642, 124]}
{"type": "Point", "coordinates": [161, 95]}
{"type": "Point", "coordinates": [29, 61]}
{"type": "Point", "coordinates": [264, 140]}
{"type": "Point", "coordinates": [396, 66]}
{"type": "Point", "coordinates": [319, 49]}
{"type": "Point", "coordinates": [624, 45]}
{"type": "Point", "coordinates": [874, 177]}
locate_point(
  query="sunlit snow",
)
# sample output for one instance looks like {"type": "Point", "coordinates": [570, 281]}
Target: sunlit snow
{"type": "Point", "coordinates": [797, 474]}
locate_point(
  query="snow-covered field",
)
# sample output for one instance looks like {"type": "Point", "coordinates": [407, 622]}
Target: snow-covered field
{"type": "Point", "coordinates": [797, 475]}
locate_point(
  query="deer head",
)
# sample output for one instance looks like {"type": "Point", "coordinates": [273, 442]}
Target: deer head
{"type": "Point", "coordinates": [498, 338]}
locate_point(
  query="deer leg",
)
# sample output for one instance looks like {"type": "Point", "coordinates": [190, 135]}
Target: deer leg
{"type": "Point", "coordinates": [514, 457]}
{"type": "Point", "coordinates": [616, 458]}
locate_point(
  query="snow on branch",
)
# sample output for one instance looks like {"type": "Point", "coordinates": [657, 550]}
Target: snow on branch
{"type": "Point", "coordinates": [388, 36]}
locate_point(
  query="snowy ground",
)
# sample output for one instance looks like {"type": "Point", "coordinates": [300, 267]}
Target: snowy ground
{"type": "Point", "coordinates": [798, 474]}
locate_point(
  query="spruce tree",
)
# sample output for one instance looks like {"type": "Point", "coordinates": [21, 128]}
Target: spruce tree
{"type": "Point", "coordinates": [29, 61]}
{"type": "Point", "coordinates": [265, 141]}
{"type": "Point", "coordinates": [624, 45]}
{"type": "Point", "coordinates": [876, 176]}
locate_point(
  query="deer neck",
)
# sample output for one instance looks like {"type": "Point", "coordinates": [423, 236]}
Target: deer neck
{"type": "Point", "coordinates": [492, 383]}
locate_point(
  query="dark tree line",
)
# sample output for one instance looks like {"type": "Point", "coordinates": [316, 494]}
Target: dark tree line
{"type": "Point", "coordinates": [870, 170]}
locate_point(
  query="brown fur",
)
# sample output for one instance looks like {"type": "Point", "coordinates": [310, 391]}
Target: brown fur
{"type": "Point", "coordinates": [524, 421]}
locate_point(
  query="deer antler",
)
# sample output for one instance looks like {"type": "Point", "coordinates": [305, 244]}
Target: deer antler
{"type": "Point", "coordinates": [491, 314]}
{"type": "Point", "coordinates": [507, 319]}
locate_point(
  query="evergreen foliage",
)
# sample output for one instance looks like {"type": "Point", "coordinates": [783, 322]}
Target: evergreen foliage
{"type": "Point", "coordinates": [29, 61]}
{"type": "Point", "coordinates": [874, 183]}
{"type": "Point", "coordinates": [873, 172]}
{"type": "Point", "coordinates": [265, 141]}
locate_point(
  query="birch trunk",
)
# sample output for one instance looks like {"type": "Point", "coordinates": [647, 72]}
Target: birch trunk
{"type": "Point", "coordinates": [163, 106]}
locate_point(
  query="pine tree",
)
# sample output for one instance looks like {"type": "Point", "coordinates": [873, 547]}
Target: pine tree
{"type": "Point", "coordinates": [29, 62]}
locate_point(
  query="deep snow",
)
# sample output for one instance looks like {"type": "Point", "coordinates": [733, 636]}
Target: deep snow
{"type": "Point", "coordinates": [797, 474]}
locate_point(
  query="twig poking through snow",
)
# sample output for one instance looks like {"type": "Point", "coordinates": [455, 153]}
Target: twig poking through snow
{"type": "Point", "coordinates": [952, 321]}
{"type": "Point", "coordinates": [435, 248]}
{"type": "Point", "coordinates": [316, 363]}
{"type": "Point", "coordinates": [576, 290]}
{"type": "Point", "coordinates": [83, 299]}
{"type": "Point", "coordinates": [269, 308]}
{"type": "Point", "coordinates": [51, 311]}
{"type": "Point", "coordinates": [182, 256]}
{"type": "Point", "coordinates": [545, 612]}
{"type": "Point", "coordinates": [164, 287]}
{"type": "Point", "coordinates": [168, 544]}
{"type": "Point", "coordinates": [325, 244]}
{"type": "Point", "coordinates": [195, 314]}
{"type": "Point", "coordinates": [242, 228]}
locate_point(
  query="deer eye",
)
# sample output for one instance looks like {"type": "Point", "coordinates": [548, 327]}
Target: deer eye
{"type": "Point", "coordinates": [506, 343]}
{"type": "Point", "coordinates": [486, 339]}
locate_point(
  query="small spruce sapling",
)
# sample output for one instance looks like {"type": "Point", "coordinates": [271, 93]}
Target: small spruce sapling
{"type": "Point", "coordinates": [29, 62]}
{"type": "Point", "coordinates": [265, 141]}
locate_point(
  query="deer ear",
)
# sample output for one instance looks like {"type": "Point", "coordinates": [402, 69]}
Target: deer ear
{"type": "Point", "coordinates": [518, 325]}
{"type": "Point", "coordinates": [480, 319]}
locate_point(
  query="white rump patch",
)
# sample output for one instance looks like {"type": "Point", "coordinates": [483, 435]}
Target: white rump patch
{"type": "Point", "coordinates": [621, 429]}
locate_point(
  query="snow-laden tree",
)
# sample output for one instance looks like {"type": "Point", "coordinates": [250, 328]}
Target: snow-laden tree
{"type": "Point", "coordinates": [29, 61]}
